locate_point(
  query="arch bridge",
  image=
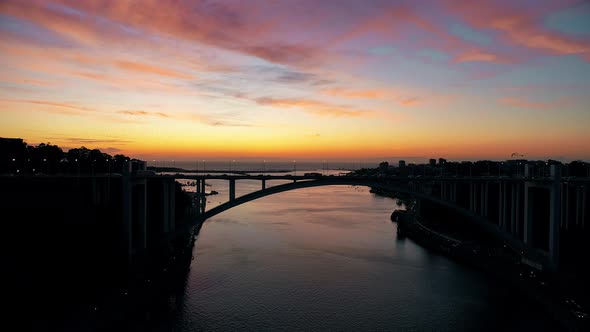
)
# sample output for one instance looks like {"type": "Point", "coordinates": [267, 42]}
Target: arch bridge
{"type": "Point", "coordinates": [507, 208]}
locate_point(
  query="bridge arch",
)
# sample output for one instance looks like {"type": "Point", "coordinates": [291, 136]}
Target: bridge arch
{"type": "Point", "coordinates": [483, 223]}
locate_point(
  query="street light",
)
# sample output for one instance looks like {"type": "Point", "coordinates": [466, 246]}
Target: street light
{"type": "Point", "coordinates": [203, 166]}
{"type": "Point", "coordinates": [295, 167]}
{"type": "Point", "coordinates": [264, 166]}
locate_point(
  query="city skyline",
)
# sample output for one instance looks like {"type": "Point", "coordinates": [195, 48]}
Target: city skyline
{"type": "Point", "coordinates": [346, 80]}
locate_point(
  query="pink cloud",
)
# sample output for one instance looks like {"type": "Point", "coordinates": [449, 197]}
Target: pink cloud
{"type": "Point", "coordinates": [409, 101]}
{"type": "Point", "coordinates": [314, 107]}
{"type": "Point", "coordinates": [348, 93]}
{"type": "Point", "coordinates": [521, 27]}
{"type": "Point", "coordinates": [400, 96]}
{"type": "Point", "coordinates": [477, 56]}
{"type": "Point", "coordinates": [523, 102]}
{"type": "Point", "coordinates": [149, 69]}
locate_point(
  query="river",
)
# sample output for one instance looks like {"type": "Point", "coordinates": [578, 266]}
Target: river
{"type": "Point", "coordinates": [326, 258]}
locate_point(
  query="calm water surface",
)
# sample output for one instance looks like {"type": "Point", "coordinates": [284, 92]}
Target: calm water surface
{"type": "Point", "coordinates": [328, 258]}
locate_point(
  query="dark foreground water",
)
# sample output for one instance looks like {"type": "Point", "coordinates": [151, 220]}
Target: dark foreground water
{"type": "Point", "coordinates": [328, 259]}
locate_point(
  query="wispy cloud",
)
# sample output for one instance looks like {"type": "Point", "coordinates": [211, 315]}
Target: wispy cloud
{"type": "Point", "coordinates": [478, 56]}
{"type": "Point", "coordinates": [150, 69]}
{"type": "Point", "coordinates": [409, 101]}
{"type": "Point", "coordinates": [225, 123]}
{"type": "Point", "coordinates": [143, 113]}
{"type": "Point", "coordinates": [60, 107]}
{"type": "Point", "coordinates": [348, 93]}
{"type": "Point", "coordinates": [315, 107]}
{"type": "Point", "coordinates": [82, 140]}
{"type": "Point", "coordinates": [385, 94]}
{"type": "Point", "coordinates": [527, 103]}
{"type": "Point", "coordinates": [57, 104]}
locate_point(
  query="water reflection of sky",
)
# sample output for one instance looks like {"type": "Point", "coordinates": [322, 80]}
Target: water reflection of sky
{"type": "Point", "coordinates": [328, 258]}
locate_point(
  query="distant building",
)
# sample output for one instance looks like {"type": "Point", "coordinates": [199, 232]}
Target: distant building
{"type": "Point", "coordinates": [441, 161]}
{"type": "Point", "coordinates": [135, 166]}
{"type": "Point", "coordinates": [138, 165]}
{"type": "Point", "coordinates": [11, 141]}
{"type": "Point", "coordinates": [432, 162]}
{"type": "Point", "coordinates": [383, 167]}
{"type": "Point", "coordinates": [402, 164]}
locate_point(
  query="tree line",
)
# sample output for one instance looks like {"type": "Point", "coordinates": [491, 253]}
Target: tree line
{"type": "Point", "coordinates": [17, 157]}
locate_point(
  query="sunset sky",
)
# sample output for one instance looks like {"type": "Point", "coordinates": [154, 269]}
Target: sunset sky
{"type": "Point", "coordinates": [299, 79]}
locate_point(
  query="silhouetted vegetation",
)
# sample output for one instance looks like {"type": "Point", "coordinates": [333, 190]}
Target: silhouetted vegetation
{"type": "Point", "coordinates": [17, 157]}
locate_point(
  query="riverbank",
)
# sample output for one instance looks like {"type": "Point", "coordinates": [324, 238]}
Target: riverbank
{"type": "Point", "coordinates": [65, 245]}
{"type": "Point", "coordinates": [129, 299]}
{"type": "Point", "coordinates": [502, 263]}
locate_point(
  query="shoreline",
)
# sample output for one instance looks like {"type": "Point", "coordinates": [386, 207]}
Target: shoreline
{"type": "Point", "coordinates": [121, 303]}
{"type": "Point", "coordinates": [496, 262]}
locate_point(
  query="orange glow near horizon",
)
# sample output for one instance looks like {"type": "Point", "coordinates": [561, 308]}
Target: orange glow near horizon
{"type": "Point", "coordinates": [242, 79]}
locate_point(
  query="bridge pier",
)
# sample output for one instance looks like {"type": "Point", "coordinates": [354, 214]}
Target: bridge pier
{"type": "Point", "coordinates": [203, 201]}
{"type": "Point", "coordinates": [528, 214]}
{"type": "Point", "coordinates": [142, 213]}
{"type": "Point", "coordinates": [512, 209]}
{"type": "Point", "coordinates": [201, 197]}
{"type": "Point", "coordinates": [564, 223]}
{"type": "Point", "coordinates": [94, 193]}
{"type": "Point", "coordinates": [487, 200]}
{"type": "Point", "coordinates": [165, 208]}
{"type": "Point", "coordinates": [483, 198]}
{"type": "Point", "coordinates": [172, 205]}
{"type": "Point", "coordinates": [517, 230]}
{"type": "Point", "coordinates": [504, 207]}
{"type": "Point", "coordinates": [134, 210]}
{"type": "Point", "coordinates": [198, 197]}
{"type": "Point", "coordinates": [578, 205]}
{"type": "Point", "coordinates": [232, 189]}
{"type": "Point", "coordinates": [471, 197]}
{"type": "Point", "coordinates": [567, 203]}
{"type": "Point", "coordinates": [584, 207]}
{"type": "Point", "coordinates": [127, 215]}
{"type": "Point", "coordinates": [263, 184]}
{"type": "Point", "coordinates": [555, 214]}
{"type": "Point", "coordinates": [501, 202]}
